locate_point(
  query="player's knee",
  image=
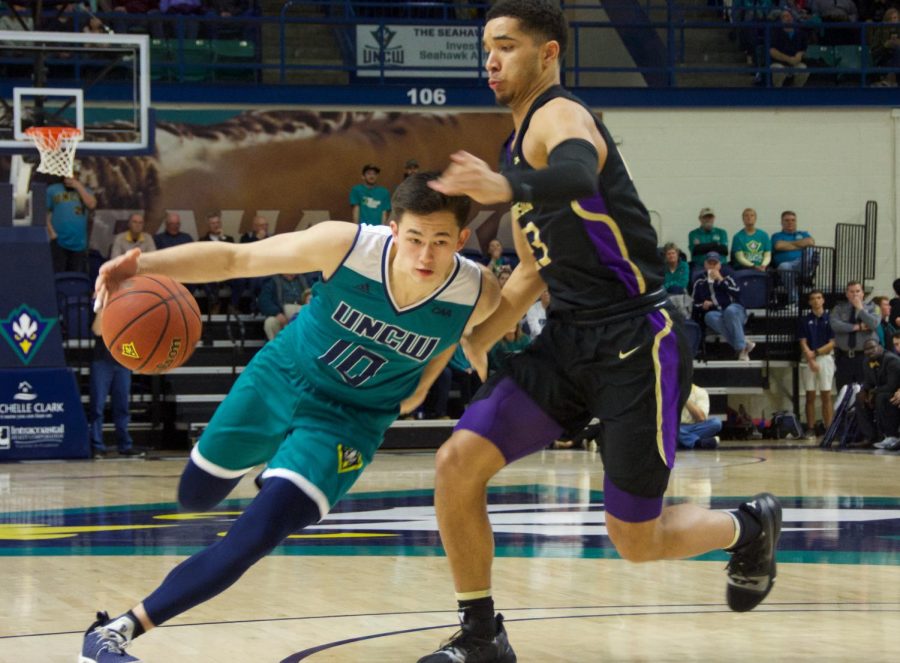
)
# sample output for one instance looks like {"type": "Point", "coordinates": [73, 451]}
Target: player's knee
{"type": "Point", "coordinates": [631, 543]}
{"type": "Point", "coordinates": [467, 461]}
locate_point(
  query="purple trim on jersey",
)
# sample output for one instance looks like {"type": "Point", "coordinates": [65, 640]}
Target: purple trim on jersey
{"type": "Point", "coordinates": [669, 367]}
{"type": "Point", "coordinates": [595, 204]}
{"type": "Point", "coordinates": [610, 257]}
{"type": "Point", "coordinates": [628, 507]}
{"type": "Point", "coordinates": [511, 420]}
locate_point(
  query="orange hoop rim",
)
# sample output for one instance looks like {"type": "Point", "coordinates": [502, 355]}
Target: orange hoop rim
{"type": "Point", "coordinates": [54, 133]}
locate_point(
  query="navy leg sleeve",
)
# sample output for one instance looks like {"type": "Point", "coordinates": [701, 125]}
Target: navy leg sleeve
{"type": "Point", "coordinates": [199, 490]}
{"type": "Point", "coordinates": [278, 510]}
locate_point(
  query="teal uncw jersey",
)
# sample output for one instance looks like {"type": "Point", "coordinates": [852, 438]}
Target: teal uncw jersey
{"type": "Point", "coordinates": [353, 342]}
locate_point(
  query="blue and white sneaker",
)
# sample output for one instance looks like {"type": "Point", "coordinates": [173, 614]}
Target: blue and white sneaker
{"type": "Point", "coordinates": [104, 645]}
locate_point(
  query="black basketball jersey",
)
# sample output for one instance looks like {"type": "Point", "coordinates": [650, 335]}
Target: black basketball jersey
{"type": "Point", "coordinates": [598, 253]}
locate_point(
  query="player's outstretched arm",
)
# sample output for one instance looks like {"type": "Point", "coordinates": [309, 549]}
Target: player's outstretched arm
{"type": "Point", "coordinates": [320, 248]}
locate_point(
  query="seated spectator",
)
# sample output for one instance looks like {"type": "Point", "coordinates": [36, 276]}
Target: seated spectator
{"type": "Point", "coordinates": [751, 247]}
{"type": "Point", "coordinates": [788, 247]}
{"type": "Point", "coordinates": [280, 300]}
{"type": "Point", "coordinates": [148, 8]}
{"type": "Point", "coordinates": [134, 237]}
{"type": "Point", "coordinates": [259, 229]}
{"type": "Point", "coordinates": [514, 341]}
{"type": "Point", "coordinates": [189, 28]}
{"type": "Point", "coordinates": [677, 274]}
{"type": "Point", "coordinates": [18, 18]}
{"type": "Point", "coordinates": [817, 361]}
{"type": "Point", "coordinates": [885, 41]}
{"type": "Point", "coordinates": [536, 316]}
{"type": "Point", "coordinates": [706, 238]}
{"type": "Point", "coordinates": [837, 11]}
{"type": "Point", "coordinates": [787, 50]}
{"type": "Point", "coordinates": [697, 428]}
{"type": "Point", "coordinates": [214, 233]}
{"type": "Point", "coordinates": [503, 274]}
{"type": "Point", "coordinates": [717, 305]}
{"type": "Point", "coordinates": [495, 258]}
{"type": "Point", "coordinates": [886, 329]}
{"type": "Point", "coordinates": [895, 304]}
{"type": "Point", "coordinates": [171, 234]}
{"type": "Point", "coordinates": [877, 414]}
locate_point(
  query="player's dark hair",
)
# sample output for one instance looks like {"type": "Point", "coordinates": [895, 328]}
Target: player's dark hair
{"type": "Point", "coordinates": [415, 196]}
{"type": "Point", "coordinates": [540, 18]}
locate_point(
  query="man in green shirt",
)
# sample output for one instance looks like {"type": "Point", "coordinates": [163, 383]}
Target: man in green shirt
{"type": "Point", "coordinates": [706, 238]}
{"type": "Point", "coordinates": [751, 248]}
{"type": "Point", "coordinates": [371, 203]}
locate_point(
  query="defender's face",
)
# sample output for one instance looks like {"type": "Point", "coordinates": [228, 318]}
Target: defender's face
{"type": "Point", "coordinates": [426, 245]}
{"type": "Point", "coordinates": [512, 59]}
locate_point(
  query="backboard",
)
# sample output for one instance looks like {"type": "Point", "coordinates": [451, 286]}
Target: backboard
{"type": "Point", "coordinates": [99, 83]}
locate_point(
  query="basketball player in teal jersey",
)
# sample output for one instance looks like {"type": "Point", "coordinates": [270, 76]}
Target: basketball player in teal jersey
{"type": "Point", "coordinates": [314, 403]}
{"type": "Point", "coordinates": [611, 347]}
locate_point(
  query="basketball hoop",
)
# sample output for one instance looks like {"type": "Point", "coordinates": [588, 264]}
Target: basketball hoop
{"type": "Point", "coordinates": [57, 147]}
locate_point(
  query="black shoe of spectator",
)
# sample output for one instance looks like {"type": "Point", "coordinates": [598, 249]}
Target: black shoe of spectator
{"type": "Point", "coordinates": [132, 452]}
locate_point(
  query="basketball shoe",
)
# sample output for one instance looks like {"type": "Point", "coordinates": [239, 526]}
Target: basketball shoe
{"type": "Point", "coordinates": [104, 645]}
{"type": "Point", "coordinates": [751, 570]}
{"type": "Point", "coordinates": [468, 647]}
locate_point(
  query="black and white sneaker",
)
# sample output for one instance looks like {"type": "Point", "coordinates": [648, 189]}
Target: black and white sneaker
{"type": "Point", "coordinates": [467, 647]}
{"type": "Point", "coordinates": [751, 570]}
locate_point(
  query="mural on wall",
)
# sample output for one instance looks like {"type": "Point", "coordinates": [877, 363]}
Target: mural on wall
{"type": "Point", "coordinates": [291, 162]}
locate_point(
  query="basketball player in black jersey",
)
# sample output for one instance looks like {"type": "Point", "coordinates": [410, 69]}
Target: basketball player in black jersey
{"type": "Point", "coordinates": [611, 347]}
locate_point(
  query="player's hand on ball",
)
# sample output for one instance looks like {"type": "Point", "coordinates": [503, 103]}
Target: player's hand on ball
{"type": "Point", "coordinates": [469, 175]}
{"type": "Point", "coordinates": [112, 274]}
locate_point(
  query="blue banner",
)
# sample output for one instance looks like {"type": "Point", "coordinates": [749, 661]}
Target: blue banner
{"type": "Point", "coordinates": [41, 415]}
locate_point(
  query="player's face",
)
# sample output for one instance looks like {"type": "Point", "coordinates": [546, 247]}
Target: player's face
{"type": "Point", "coordinates": [426, 245]}
{"type": "Point", "coordinates": [512, 60]}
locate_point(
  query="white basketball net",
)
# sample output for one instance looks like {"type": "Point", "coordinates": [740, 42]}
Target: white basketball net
{"type": "Point", "coordinates": [57, 147]}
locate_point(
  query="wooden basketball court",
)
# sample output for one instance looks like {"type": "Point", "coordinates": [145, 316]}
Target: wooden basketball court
{"type": "Point", "coordinates": [369, 585]}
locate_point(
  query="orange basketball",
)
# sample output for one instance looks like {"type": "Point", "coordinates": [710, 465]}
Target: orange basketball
{"type": "Point", "coordinates": [151, 324]}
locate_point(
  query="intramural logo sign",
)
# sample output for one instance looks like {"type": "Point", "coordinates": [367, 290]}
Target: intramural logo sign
{"type": "Point", "coordinates": [349, 459]}
{"type": "Point", "coordinates": [25, 330]}
{"type": "Point", "coordinates": [128, 350]}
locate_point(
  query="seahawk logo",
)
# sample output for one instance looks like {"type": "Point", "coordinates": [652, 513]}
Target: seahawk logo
{"type": "Point", "coordinates": [25, 330]}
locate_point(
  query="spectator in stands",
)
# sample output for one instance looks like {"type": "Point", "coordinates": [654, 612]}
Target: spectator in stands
{"type": "Point", "coordinates": [788, 247]}
{"type": "Point", "coordinates": [717, 304]}
{"type": "Point", "coordinates": [495, 258]}
{"type": "Point", "coordinates": [214, 233]}
{"type": "Point", "coordinates": [885, 330]}
{"type": "Point", "coordinates": [259, 229]}
{"type": "Point", "coordinates": [515, 340]}
{"type": "Point", "coordinates": [706, 238]}
{"type": "Point", "coordinates": [744, 14]}
{"type": "Point", "coordinates": [133, 238]}
{"type": "Point", "coordinates": [854, 322]}
{"type": "Point", "coordinates": [189, 28]}
{"type": "Point", "coordinates": [817, 361]}
{"type": "Point", "coordinates": [751, 247]}
{"type": "Point", "coordinates": [411, 167]}
{"type": "Point", "coordinates": [504, 274]}
{"type": "Point", "coordinates": [837, 11]}
{"type": "Point", "coordinates": [280, 300]}
{"type": "Point", "coordinates": [787, 49]}
{"type": "Point", "coordinates": [171, 234]}
{"type": "Point", "coordinates": [148, 8]}
{"type": "Point", "coordinates": [697, 428]}
{"type": "Point", "coordinates": [240, 9]}
{"type": "Point", "coordinates": [109, 378]}
{"type": "Point", "coordinates": [876, 413]}
{"type": "Point", "coordinates": [371, 203]}
{"type": "Point", "coordinates": [18, 18]}
{"type": "Point", "coordinates": [677, 274]}
{"type": "Point", "coordinates": [536, 316]}
{"type": "Point", "coordinates": [885, 41]}
{"type": "Point", "coordinates": [69, 203]}
{"type": "Point", "coordinates": [895, 304]}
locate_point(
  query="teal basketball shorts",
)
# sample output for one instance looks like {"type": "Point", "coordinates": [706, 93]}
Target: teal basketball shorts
{"type": "Point", "coordinates": [274, 416]}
